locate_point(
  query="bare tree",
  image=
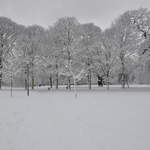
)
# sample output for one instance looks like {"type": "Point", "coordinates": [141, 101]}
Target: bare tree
{"type": "Point", "coordinates": [105, 57]}
{"type": "Point", "coordinates": [126, 41]}
{"type": "Point", "coordinates": [65, 31]}
{"type": "Point", "coordinates": [90, 34]}
{"type": "Point", "coordinates": [8, 34]}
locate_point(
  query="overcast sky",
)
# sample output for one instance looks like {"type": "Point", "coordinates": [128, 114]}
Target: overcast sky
{"type": "Point", "coordinates": [46, 12]}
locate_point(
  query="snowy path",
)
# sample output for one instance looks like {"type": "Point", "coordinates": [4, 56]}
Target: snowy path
{"type": "Point", "coordinates": [58, 121]}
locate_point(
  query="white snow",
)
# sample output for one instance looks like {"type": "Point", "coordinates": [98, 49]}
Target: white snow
{"type": "Point", "coordinates": [96, 120]}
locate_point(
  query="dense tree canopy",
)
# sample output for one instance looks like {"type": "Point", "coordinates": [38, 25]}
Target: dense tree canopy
{"type": "Point", "coordinates": [73, 53]}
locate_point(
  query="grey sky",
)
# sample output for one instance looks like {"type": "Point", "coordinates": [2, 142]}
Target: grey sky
{"type": "Point", "coordinates": [46, 12]}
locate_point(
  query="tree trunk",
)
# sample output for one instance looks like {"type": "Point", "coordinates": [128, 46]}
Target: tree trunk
{"type": "Point", "coordinates": [25, 84]}
{"type": "Point", "coordinates": [32, 82]}
{"type": "Point", "coordinates": [108, 80]}
{"type": "Point", "coordinates": [28, 84]}
{"type": "Point", "coordinates": [89, 74]}
{"type": "Point", "coordinates": [1, 67]}
{"type": "Point", "coordinates": [123, 74]}
{"type": "Point", "coordinates": [99, 80]}
{"type": "Point", "coordinates": [69, 84]}
{"type": "Point", "coordinates": [56, 75]}
{"type": "Point", "coordinates": [50, 82]}
{"type": "Point", "coordinates": [89, 79]}
{"type": "Point", "coordinates": [56, 80]}
{"type": "Point", "coordinates": [32, 78]}
{"type": "Point", "coordinates": [11, 85]}
{"type": "Point", "coordinates": [0, 81]}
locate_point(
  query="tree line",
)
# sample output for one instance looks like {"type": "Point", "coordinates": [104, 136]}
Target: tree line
{"type": "Point", "coordinates": [72, 53]}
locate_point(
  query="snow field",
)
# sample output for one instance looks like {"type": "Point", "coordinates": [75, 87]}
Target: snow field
{"type": "Point", "coordinates": [93, 121]}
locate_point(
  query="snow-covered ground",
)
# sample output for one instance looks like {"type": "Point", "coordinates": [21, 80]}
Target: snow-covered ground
{"type": "Point", "coordinates": [55, 120]}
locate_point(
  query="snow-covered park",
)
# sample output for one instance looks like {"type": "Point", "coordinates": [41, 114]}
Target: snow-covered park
{"type": "Point", "coordinates": [74, 79]}
{"type": "Point", "coordinates": [95, 120]}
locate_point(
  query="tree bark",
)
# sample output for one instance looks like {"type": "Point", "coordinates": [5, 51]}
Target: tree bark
{"type": "Point", "coordinates": [89, 75]}
{"type": "Point", "coordinates": [28, 84]}
{"type": "Point", "coordinates": [50, 82]}
{"type": "Point", "coordinates": [1, 67]}
{"type": "Point", "coordinates": [57, 76]}
{"type": "Point", "coordinates": [89, 79]}
{"type": "Point", "coordinates": [32, 82]}
{"type": "Point", "coordinates": [0, 81]}
{"type": "Point", "coordinates": [69, 84]}
{"type": "Point", "coordinates": [11, 85]}
{"type": "Point", "coordinates": [25, 84]}
{"type": "Point", "coordinates": [56, 80]}
{"type": "Point", "coordinates": [69, 67]}
{"type": "Point", "coordinates": [32, 78]}
{"type": "Point", "coordinates": [108, 80]}
{"type": "Point", "coordinates": [123, 74]}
